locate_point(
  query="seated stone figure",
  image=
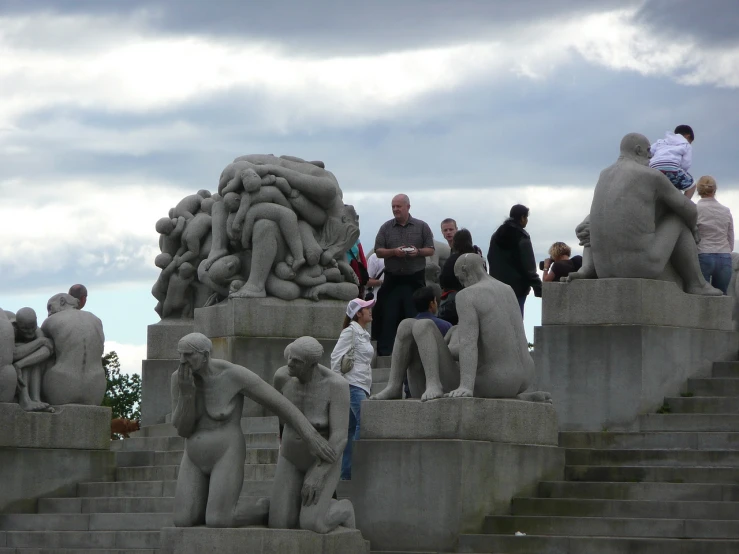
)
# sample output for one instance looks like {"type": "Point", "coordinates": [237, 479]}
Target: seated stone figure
{"type": "Point", "coordinates": [77, 375]}
{"type": "Point", "coordinates": [304, 484]}
{"type": "Point", "coordinates": [489, 342]}
{"type": "Point", "coordinates": [30, 356]}
{"type": "Point", "coordinates": [8, 374]}
{"type": "Point", "coordinates": [208, 400]}
{"type": "Point", "coordinates": [639, 224]}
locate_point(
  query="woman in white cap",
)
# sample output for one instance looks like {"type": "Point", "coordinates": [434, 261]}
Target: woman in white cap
{"type": "Point", "coordinates": [352, 357]}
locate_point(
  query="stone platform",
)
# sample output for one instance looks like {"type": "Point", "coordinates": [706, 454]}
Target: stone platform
{"type": "Point", "coordinates": [255, 540]}
{"type": "Point", "coordinates": [425, 472]}
{"type": "Point", "coordinates": [44, 454]}
{"type": "Point", "coordinates": [610, 350]}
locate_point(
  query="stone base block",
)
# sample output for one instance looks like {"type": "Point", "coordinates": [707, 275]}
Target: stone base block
{"type": "Point", "coordinates": [162, 338]}
{"type": "Point", "coordinates": [253, 540]}
{"type": "Point", "coordinates": [478, 419]}
{"type": "Point", "coordinates": [156, 401]}
{"type": "Point", "coordinates": [70, 427]}
{"type": "Point", "coordinates": [272, 317]}
{"type": "Point", "coordinates": [412, 491]}
{"type": "Point", "coordinates": [632, 302]}
{"type": "Point", "coordinates": [604, 376]}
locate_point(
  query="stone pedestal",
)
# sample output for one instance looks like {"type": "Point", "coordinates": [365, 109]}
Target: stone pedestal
{"type": "Point", "coordinates": [44, 454]}
{"type": "Point", "coordinates": [161, 361]}
{"type": "Point", "coordinates": [425, 472]}
{"type": "Point", "coordinates": [611, 349]}
{"type": "Point", "coordinates": [253, 540]}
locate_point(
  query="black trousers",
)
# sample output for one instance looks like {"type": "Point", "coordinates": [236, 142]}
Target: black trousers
{"type": "Point", "coordinates": [394, 304]}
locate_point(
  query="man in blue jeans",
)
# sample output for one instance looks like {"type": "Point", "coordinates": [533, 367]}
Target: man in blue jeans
{"type": "Point", "coordinates": [716, 230]}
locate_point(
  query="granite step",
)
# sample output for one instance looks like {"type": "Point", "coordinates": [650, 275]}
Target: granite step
{"type": "Point", "coordinates": [716, 386]}
{"type": "Point", "coordinates": [641, 457]}
{"type": "Point", "coordinates": [612, 527]}
{"type": "Point", "coordinates": [76, 550]}
{"type": "Point", "coordinates": [709, 492]}
{"type": "Point", "coordinates": [380, 374]}
{"type": "Point", "coordinates": [253, 472]}
{"type": "Point", "coordinates": [664, 474]}
{"type": "Point", "coordinates": [86, 522]}
{"type": "Point", "coordinates": [156, 488]}
{"type": "Point", "coordinates": [725, 369]}
{"type": "Point", "coordinates": [382, 362]}
{"type": "Point", "coordinates": [602, 508]}
{"type": "Point", "coordinates": [115, 505]}
{"type": "Point", "coordinates": [266, 424]}
{"type": "Point", "coordinates": [703, 405]}
{"type": "Point", "coordinates": [136, 458]}
{"type": "Point", "coordinates": [651, 440]}
{"type": "Point", "coordinates": [542, 544]}
{"type": "Point", "coordinates": [689, 422]}
{"type": "Point", "coordinates": [85, 541]}
{"type": "Point", "coordinates": [253, 440]}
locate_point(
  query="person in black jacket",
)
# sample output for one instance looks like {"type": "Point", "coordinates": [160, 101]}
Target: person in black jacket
{"type": "Point", "coordinates": [511, 256]}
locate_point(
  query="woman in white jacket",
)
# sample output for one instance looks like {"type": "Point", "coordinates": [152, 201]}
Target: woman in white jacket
{"type": "Point", "coordinates": [355, 341]}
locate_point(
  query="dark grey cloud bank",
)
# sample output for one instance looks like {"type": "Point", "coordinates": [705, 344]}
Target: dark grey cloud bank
{"type": "Point", "coordinates": [714, 22]}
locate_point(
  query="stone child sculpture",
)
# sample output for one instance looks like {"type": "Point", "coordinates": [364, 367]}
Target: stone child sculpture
{"type": "Point", "coordinates": [304, 484]}
{"type": "Point", "coordinates": [489, 342]}
{"type": "Point", "coordinates": [32, 351]}
{"type": "Point", "coordinates": [639, 223]}
{"type": "Point", "coordinates": [207, 399]}
{"type": "Point", "coordinates": [77, 375]}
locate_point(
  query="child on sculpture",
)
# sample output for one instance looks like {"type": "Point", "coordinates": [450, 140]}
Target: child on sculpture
{"type": "Point", "coordinates": [673, 156]}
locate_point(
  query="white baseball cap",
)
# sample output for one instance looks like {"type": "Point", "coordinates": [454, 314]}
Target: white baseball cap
{"type": "Point", "coordinates": [357, 304]}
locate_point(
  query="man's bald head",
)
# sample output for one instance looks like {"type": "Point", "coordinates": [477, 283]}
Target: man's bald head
{"type": "Point", "coordinates": [401, 206]}
{"type": "Point", "coordinates": [80, 293]}
{"type": "Point", "coordinates": [635, 146]}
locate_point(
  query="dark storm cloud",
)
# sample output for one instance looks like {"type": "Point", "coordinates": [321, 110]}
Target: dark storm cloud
{"type": "Point", "coordinates": [330, 26]}
{"type": "Point", "coordinates": [713, 22]}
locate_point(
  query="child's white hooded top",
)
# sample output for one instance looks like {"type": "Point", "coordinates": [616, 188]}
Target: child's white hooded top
{"type": "Point", "coordinates": [673, 151]}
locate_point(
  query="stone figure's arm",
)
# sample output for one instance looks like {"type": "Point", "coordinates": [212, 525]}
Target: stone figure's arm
{"type": "Point", "coordinates": [468, 333]}
{"type": "Point", "coordinates": [178, 229]}
{"type": "Point", "coordinates": [322, 190]}
{"type": "Point", "coordinates": [23, 350]}
{"type": "Point", "coordinates": [238, 222]}
{"type": "Point", "coordinates": [272, 195]}
{"type": "Point", "coordinates": [43, 353]}
{"type": "Point", "coordinates": [184, 412]}
{"type": "Point", "coordinates": [258, 390]}
{"type": "Point", "coordinates": [676, 201]}
{"type": "Point", "coordinates": [338, 417]}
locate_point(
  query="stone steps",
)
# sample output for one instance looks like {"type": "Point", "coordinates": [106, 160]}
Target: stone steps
{"type": "Point", "coordinates": [253, 472]}
{"type": "Point", "coordinates": [75, 550]}
{"type": "Point", "coordinates": [652, 440]}
{"type": "Point", "coordinates": [664, 474]}
{"type": "Point", "coordinates": [86, 522]}
{"type": "Point", "coordinates": [156, 488]}
{"type": "Point", "coordinates": [652, 457]}
{"type": "Point", "coordinates": [138, 458]}
{"type": "Point", "coordinates": [87, 541]}
{"type": "Point", "coordinates": [689, 422]}
{"type": "Point", "coordinates": [709, 492]}
{"type": "Point", "coordinates": [714, 386]}
{"type": "Point", "coordinates": [725, 369]}
{"type": "Point", "coordinates": [703, 405]}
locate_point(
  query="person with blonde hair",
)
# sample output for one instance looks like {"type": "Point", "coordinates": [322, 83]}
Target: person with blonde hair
{"type": "Point", "coordinates": [716, 230]}
{"type": "Point", "coordinates": [559, 264]}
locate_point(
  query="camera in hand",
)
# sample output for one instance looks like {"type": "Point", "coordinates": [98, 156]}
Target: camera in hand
{"type": "Point", "coordinates": [543, 262]}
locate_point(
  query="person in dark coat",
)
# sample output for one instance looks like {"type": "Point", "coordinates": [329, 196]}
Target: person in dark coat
{"type": "Point", "coordinates": [511, 256]}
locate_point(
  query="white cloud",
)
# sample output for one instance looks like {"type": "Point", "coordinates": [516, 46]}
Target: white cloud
{"type": "Point", "coordinates": [129, 355]}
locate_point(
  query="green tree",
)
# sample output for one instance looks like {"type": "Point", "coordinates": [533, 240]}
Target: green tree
{"type": "Point", "coordinates": [123, 391]}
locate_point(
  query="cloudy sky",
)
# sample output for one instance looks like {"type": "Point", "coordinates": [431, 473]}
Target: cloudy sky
{"type": "Point", "coordinates": [110, 112]}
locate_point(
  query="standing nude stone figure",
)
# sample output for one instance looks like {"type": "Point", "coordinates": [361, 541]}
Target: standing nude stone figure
{"type": "Point", "coordinates": [639, 223]}
{"type": "Point", "coordinates": [208, 400]}
{"type": "Point", "coordinates": [489, 342]}
{"type": "Point", "coordinates": [30, 355]}
{"type": "Point", "coordinates": [304, 484]}
{"type": "Point", "coordinates": [77, 375]}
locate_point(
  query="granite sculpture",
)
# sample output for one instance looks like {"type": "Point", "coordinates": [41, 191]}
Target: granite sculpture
{"type": "Point", "coordinates": [208, 399]}
{"type": "Point", "coordinates": [304, 484]}
{"type": "Point", "coordinates": [489, 343]}
{"type": "Point", "coordinates": [30, 357]}
{"type": "Point", "coordinates": [640, 225]}
{"type": "Point", "coordinates": [76, 375]}
{"type": "Point", "coordinates": [276, 227]}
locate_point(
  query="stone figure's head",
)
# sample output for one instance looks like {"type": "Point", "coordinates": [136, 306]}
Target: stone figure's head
{"type": "Point", "coordinates": [635, 147]}
{"type": "Point", "coordinates": [61, 302]}
{"type": "Point", "coordinates": [80, 293]}
{"type": "Point", "coordinates": [302, 356]}
{"type": "Point", "coordinates": [401, 206]}
{"type": "Point", "coordinates": [207, 205]}
{"type": "Point", "coordinates": [224, 268]}
{"type": "Point", "coordinates": [186, 270]}
{"type": "Point", "coordinates": [433, 271]}
{"type": "Point", "coordinates": [25, 324]}
{"type": "Point", "coordinates": [469, 269]}
{"type": "Point", "coordinates": [194, 350]}
{"type": "Point", "coordinates": [165, 225]}
{"type": "Point", "coordinates": [349, 214]}
{"type": "Point", "coordinates": [204, 193]}
{"type": "Point", "coordinates": [706, 186]}
{"type": "Point", "coordinates": [251, 180]}
{"type": "Point", "coordinates": [163, 260]}
{"type": "Point", "coordinates": [232, 201]}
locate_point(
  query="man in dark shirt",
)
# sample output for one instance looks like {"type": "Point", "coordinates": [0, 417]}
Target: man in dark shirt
{"type": "Point", "coordinates": [403, 242]}
{"type": "Point", "coordinates": [427, 305]}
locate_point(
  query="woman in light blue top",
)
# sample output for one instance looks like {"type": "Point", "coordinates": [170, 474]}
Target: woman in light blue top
{"type": "Point", "coordinates": [355, 339]}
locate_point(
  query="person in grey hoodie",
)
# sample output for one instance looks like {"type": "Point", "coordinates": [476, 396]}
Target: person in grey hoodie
{"type": "Point", "coordinates": [673, 156]}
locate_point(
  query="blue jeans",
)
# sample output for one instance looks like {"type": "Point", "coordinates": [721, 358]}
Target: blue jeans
{"type": "Point", "coordinates": [356, 395]}
{"type": "Point", "coordinates": [716, 269]}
